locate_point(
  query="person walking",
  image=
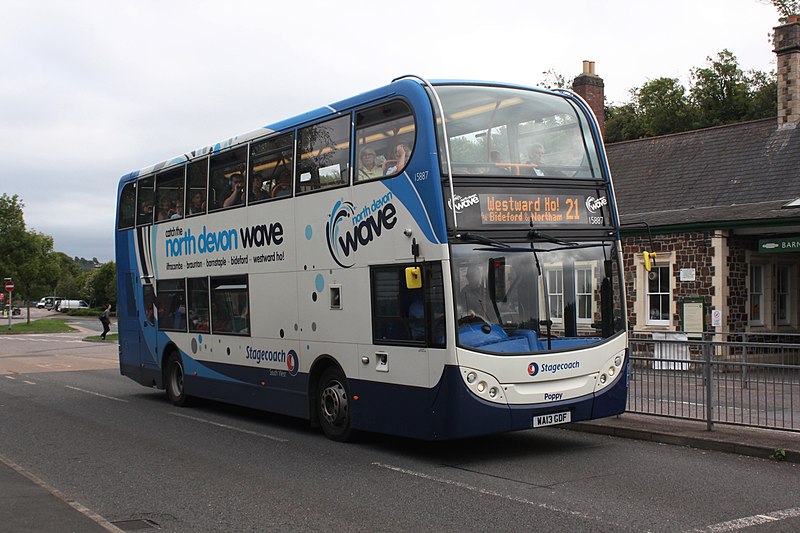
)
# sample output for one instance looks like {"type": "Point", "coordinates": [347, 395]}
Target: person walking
{"type": "Point", "coordinates": [105, 318]}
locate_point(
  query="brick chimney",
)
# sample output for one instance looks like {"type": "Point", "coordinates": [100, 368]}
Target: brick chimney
{"type": "Point", "coordinates": [592, 89]}
{"type": "Point", "coordinates": [787, 48]}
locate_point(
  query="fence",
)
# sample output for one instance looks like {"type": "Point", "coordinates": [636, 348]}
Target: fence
{"type": "Point", "coordinates": [731, 379]}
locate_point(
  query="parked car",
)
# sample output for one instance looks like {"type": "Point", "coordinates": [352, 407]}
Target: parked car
{"type": "Point", "coordinates": [14, 310]}
{"type": "Point", "coordinates": [63, 305]}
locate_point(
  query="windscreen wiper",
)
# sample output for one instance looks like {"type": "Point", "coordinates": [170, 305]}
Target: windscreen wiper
{"type": "Point", "coordinates": [536, 234]}
{"type": "Point", "coordinates": [481, 240]}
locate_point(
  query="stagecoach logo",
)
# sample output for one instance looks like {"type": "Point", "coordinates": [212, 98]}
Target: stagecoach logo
{"type": "Point", "coordinates": [367, 225]}
{"type": "Point", "coordinates": [593, 204]}
{"type": "Point", "coordinates": [292, 363]}
{"type": "Point", "coordinates": [552, 368]}
{"type": "Point", "coordinates": [463, 202]}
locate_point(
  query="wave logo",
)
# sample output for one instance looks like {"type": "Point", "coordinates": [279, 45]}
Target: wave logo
{"type": "Point", "coordinates": [462, 202]}
{"type": "Point", "coordinates": [292, 363]}
{"type": "Point", "coordinates": [593, 204]}
{"type": "Point", "coordinates": [367, 225]}
{"type": "Point", "coordinates": [533, 369]}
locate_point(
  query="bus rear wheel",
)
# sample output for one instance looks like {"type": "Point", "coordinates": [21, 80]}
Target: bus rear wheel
{"type": "Point", "coordinates": [174, 380]}
{"type": "Point", "coordinates": [333, 405]}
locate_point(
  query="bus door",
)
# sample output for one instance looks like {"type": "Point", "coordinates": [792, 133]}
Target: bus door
{"type": "Point", "coordinates": [408, 326]}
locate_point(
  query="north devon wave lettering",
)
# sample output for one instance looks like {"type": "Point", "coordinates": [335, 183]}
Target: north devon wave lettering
{"type": "Point", "coordinates": [179, 243]}
{"type": "Point", "coordinates": [367, 225]}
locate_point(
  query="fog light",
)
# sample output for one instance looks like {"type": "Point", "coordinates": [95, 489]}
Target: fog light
{"type": "Point", "coordinates": [471, 377]}
{"type": "Point", "coordinates": [611, 371]}
{"type": "Point", "coordinates": [493, 392]}
{"type": "Point", "coordinates": [481, 386]}
{"type": "Point", "coordinates": [618, 360]}
{"type": "Point", "coordinates": [603, 378]}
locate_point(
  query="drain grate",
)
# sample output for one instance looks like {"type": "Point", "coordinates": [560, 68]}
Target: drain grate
{"type": "Point", "coordinates": [136, 525]}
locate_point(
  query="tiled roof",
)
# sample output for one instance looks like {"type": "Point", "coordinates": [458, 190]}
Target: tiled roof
{"type": "Point", "coordinates": [739, 172]}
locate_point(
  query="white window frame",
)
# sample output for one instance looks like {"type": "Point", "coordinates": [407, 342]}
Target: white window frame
{"type": "Point", "coordinates": [668, 272]}
{"type": "Point", "coordinates": [755, 281]}
{"type": "Point", "coordinates": [783, 293]}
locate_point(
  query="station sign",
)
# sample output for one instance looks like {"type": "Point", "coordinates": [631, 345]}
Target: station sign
{"type": "Point", "coordinates": [779, 246]}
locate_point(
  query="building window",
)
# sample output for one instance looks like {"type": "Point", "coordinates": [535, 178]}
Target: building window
{"type": "Point", "coordinates": [757, 295]}
{"type": "Point", "coordinates": [555, 293]}
{"type": "Point", "coordinates": [583, 293]}
{"type": "Point", "coordinates": [782, 295]}
{"type": "Point", "coordinates": [658, 296]}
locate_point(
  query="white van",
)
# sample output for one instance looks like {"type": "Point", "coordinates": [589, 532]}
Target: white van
{"type": "Point", "coordinates": [48, 302]}
{"type": "Point", "coordinates": [63, 305]}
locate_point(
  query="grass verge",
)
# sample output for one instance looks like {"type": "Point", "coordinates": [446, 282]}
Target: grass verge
{"type": "Point", "coordinates": [44, 325]}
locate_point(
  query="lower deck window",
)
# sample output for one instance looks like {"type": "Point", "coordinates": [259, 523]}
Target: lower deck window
{"type": "Point", "coordinates": [171, 298]}
{"type": "Point", "coordinates": [230, 307]}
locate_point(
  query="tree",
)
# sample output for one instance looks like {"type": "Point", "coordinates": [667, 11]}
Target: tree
{"type": "Point", "coordinates": [664, 107]}
{"type": "Point", "coordinates": [720, 91]}
{"type": "Point", "coordinates": [23, 254]}
{"type": "Point", "coordinates": [785, 7]}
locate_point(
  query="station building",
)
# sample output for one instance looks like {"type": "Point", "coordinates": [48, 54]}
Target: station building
{"type": "Point", "coordinates": [723, 209]}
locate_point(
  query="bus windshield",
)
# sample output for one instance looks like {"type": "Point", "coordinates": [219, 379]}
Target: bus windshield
{"type": "Point", "coordinates": [514, 298]}
{"type": "Point", "coordinates": [513, 132]}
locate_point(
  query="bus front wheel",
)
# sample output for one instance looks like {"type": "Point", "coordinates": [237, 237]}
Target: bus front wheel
{"type": "Point", "coordinates": [333, 405]}
{"type": "Point", "coordinates": [174, 382]}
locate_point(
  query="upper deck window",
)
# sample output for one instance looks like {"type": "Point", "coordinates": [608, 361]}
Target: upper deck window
{"type": "Point", "coordinates": [385, 136]}
{"type": "Point", "coordinates": [270, 168]}
{"type": "Point", "coordinates": [127, 206]}
{"type": "Point", "coordinates": [513, 132]}
{"type": "Point", "coordinates": [323, 151]}
{"type": "Point", "coordinates": [227, 176]}
{"type": "Point", "coordinates": [169, 194]}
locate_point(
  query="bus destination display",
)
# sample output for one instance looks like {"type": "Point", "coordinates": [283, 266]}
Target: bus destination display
{"type": "Point", "coordinates": [554, 209]}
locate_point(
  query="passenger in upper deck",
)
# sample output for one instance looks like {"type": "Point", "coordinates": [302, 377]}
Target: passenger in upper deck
{"type": "Point", "coordinates": [401, 155]}
{"type": "Point", "coordinates": [236, 196]}
{"type": "Point", "coordinates": [368, 168]}
{"type": "Point", "coordinates": [197, 204]}
{"type": "Point", "coordinates": [535, 153]}
{"type": "Point", "coordinates": [257, 191]}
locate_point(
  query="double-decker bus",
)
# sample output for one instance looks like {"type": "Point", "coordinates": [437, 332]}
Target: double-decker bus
{"type": "Point", "coordinates": [429, 259]}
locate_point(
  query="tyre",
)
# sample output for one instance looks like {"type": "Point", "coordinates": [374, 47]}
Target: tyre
{"type": "Point", "coordinates": [174, 380]}
{"type": "Point", "coordinates": [333, 405]}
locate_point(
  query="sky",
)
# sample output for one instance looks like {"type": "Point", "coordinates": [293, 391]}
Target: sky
{"type": "Point", "coordinates": [92, 90]}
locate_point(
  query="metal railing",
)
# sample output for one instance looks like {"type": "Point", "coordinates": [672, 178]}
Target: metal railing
{"type": "Point", "coordinates": [717, 378]}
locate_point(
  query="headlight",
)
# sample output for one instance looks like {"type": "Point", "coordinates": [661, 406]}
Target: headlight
{"type": "Point", "coordinates": [471, 377]}
{"type": "Point", "coordinates": [603, 378]}
{"type": "Point", "coordinates": [481, 386]}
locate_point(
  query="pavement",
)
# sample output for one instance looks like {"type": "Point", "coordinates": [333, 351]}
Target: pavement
{"type": "Point", "coordinates": [29, 504]}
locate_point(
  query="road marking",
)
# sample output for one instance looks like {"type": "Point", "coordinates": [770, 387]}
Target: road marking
{"type": "Point", "coordinates": [247, 431]}
{"type": "Point", "coordinates": [96, 394]}
{"type": "Point", "coordinates": [102, 522]}
{"type": "Point", "coordinates": [29, 382]}
{"type": "Point", "coordinates": [487, 492]}
{"type": "Point", "coordinates": [10, 377]}
{"type": "Point", "coordinates": [750, 521]}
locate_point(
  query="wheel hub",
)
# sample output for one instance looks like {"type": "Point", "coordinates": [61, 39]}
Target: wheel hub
{"type": "Point", "coordinates": [334, 403]}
